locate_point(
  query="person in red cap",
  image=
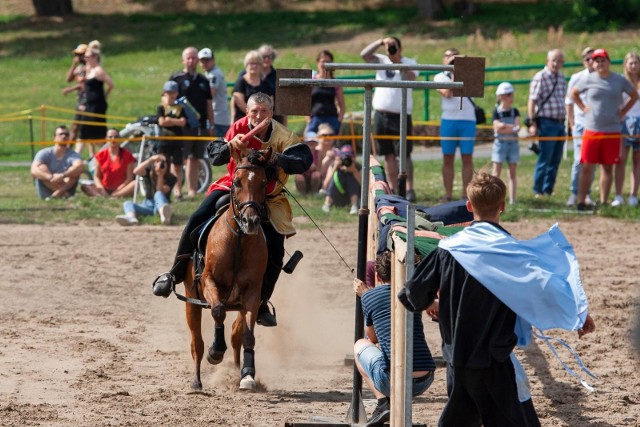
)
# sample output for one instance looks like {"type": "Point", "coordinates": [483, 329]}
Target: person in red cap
{"type": "Point", "coordinates": [603, 123]}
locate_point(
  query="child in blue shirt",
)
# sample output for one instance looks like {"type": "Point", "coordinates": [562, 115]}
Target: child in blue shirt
{"type": "Point", "coordinates": [506, 124]}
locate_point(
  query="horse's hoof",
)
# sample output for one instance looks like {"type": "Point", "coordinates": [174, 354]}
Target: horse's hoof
{"type": "Point", "coordinates": [215, 357]}
{"type": "Point", "coordinates": [196, 385]}
{"type": "Point", "coordinates": [248, 383]}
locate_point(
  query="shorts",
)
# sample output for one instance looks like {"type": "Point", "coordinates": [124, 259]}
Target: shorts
{"type": "Point", "coordinates": [389, 124]}
{"type": "Point", "coordinates": [505, 151]}
{"type": "Point", "coordinates": [172, 151]}
{"type": "Point", "coordinates": [463, 129]}
{"type": "Point", "coordinates": [631, 126]}
{"type": "Point", "coordinates": [372, 361]}
{"type": "Point", "coordinates": [193, 149]}
{"type": "Point", "coordinates": [600, 147]}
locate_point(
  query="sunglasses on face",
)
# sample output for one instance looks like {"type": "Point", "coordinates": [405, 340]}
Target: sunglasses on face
{"type": "Point", "coordinates": [267, 56]}
{"type": "Point", "coordinates": [62, 134]}
{"type": "Point", "coordinates": [324, 135]}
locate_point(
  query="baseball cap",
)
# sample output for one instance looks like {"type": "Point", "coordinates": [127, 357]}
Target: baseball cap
{"type": "Point", "coordinates": [504, 88]}
{"type": "Point", "coordinates": [81, 49]}
{"type": "Point", "coordinates": [205, 53]}
{"type": "Point", "coordinates": [600, 53]}
{"type": "Point", "coordinates": [170, 86]}
{"type": "Point", "coordinates": [346, 151]}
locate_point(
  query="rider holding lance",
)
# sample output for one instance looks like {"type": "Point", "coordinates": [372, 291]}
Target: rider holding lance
{"type": "Point", "coordinates": [292, 157]}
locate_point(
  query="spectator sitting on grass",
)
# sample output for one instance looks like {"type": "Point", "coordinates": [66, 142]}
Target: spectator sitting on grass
{"type": "Point", "coordinates": [56, 169]}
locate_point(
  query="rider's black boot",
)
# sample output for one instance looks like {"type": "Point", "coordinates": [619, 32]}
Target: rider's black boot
{"type": "Point", "coordinates": [265, 317]}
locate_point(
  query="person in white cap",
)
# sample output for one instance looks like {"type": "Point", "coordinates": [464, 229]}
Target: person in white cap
{"type": "Point", "coordinates": [506, 124]}
{"type": "Point", "coordinates": [219, 103]}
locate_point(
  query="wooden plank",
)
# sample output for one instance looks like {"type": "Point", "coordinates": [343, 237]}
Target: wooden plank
{"type": "Point", "coordinates": [293, 101]}
{"type": "Point", "coordinates": [470, 71]}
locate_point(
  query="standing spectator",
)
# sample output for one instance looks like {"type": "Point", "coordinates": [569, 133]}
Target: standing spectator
{"type": "Point", "coordinates": [96, 99]}
{"type": "Point", "coordinates": [327, 103]}
{"type": "Point", "coordinates": [373, 354]}
{"type": "Point", "coordinates": [603, 122]}
{"type": "Point", "coordinates": [630, 130]}
{"type": "Point", "coordinates": [57, 169]}
{"type": "Point", "coordinates": [172, 120]}
{"type": "Point", "coordinates": [248, 83]}
{"type": "Point", "coordinates": [506, 124]}
{"type": "Point", "coordinates": [387, 105]}
{"type": "Point", "coordinates": [220, 104]}
{"type": "Point", "coordinates": [575, 117]}
{"type": "Point", "coordinates": [458, 122]}
{"type": "Point", "coordinates": [545, 118]}
{"type": "Point", "coordinates": [195, 87]}
{"type": "Point", "coordinates": [76, 73]}
{"type": "Point", "coordinates": [269, 55]}
{"type": "Point", "coordinates": [114, 170]}
{"type": "Point", "coordinates": [157, 185]}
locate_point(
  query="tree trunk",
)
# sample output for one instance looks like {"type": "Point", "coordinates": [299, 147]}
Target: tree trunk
{"type": "Point", "coordinates": [53, 7]}
{"type": "Point", "coordinates": [429, 8]}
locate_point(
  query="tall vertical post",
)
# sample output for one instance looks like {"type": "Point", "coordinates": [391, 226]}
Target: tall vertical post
{"type": "Point", "coordinates": [408, 332]}
{"type": "Point", "coordinates": [33, 154]}
{"type": "Point", "coordinates": [402, 170]}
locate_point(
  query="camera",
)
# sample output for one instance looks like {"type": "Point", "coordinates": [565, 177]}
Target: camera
{"type": "Point", "coordinates": [534, 147]}
{"type": "Point", "coordinates": [162, 164]}
{"type": "Point", "coordinates": [392, 49]}
{"type": "Point", "coordinates": [347, 161]}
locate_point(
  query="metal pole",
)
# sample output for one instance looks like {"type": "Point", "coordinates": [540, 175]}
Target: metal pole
{"type": "Point", "coordinates": [409, 84]}
{"type": "Point", "coordinates": [376, 67]}
{"type": "Point", "coordinates": [363, 217]}
{"type": "Point", "coordinates": [140, 160]}
{"type": "Point", "coordinates": [33, 154]}
{"type": "Point", "coordinates": [402, 171]}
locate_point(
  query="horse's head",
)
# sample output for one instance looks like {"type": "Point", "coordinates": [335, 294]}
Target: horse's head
{"type": "Point", "coordinates": [249, 189]}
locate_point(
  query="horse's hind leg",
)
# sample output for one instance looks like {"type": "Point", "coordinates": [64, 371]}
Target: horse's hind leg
{"type": "Point", "coordinates": [215, 354]}
{"type": "Point", "coordinates": [194, 320]}
{"type": "Point", "coordinates": [237, 331]}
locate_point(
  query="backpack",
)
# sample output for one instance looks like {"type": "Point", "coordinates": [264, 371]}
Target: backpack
{"type": "Point", "coordinates": [192, 116]}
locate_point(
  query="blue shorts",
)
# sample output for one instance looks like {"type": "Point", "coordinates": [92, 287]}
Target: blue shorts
{"type": "Point", "coordinates": [464, 129]}
{"type": "Point", "coordinates": [372, 361]}
{"type": "Point", "coordinates": [631, 126]}
{"type": "Point", "coordinates": [505, 151]}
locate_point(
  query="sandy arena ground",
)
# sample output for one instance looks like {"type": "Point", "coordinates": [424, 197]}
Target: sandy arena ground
{"type": "Point", "coordinates": [84, 343]}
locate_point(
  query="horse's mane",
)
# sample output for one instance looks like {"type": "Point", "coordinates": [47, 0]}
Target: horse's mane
{"type": "Point", "coordinates": [266, 160]}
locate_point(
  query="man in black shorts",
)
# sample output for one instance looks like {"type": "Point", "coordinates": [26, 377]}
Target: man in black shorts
{"type": "Point", "coordinates": [195, 87]}
{"type": "Point", "coordinates": [387, 103]}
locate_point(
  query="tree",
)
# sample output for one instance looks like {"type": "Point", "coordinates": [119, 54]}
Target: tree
{"type": "Point", "coordinates": [53, 7]}
{"type": "Point", "coordinates": [429, 8]}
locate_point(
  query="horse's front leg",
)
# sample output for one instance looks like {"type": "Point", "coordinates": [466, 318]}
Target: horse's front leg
{"type": "Point", "coordinates": [194, 320]}
{"type": "Point", "coordinates": [248, 372]}
{"type": "Point", "coordinates": [215, 354]}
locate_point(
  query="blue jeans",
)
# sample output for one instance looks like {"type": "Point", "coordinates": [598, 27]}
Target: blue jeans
{"type": "Point", "coordinates": [578, 130]}
{"type": "Point", "coordinates": [147, 207]}
{"type": "Point", "coordinates": [318, 120]}
{"type": "Point", "coordinates": [546, 171]}
{"type": "Point", "coordinates": [220, 130]}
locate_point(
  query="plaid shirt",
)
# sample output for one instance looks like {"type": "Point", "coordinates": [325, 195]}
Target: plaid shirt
{"type": "Point", "coordinates": [539, 89]}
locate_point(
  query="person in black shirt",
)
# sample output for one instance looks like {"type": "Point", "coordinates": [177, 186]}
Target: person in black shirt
{"type": "Point", "coordinates": [195, 87]}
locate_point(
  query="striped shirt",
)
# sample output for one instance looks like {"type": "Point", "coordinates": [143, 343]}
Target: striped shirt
{"type": "Point", "coordinates": [376, 304]}
{"type": "Point", "coordinates": [541, 86]}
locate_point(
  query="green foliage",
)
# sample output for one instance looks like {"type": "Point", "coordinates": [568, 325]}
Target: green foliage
{"type": "Point", "coordinates": [600, 15]}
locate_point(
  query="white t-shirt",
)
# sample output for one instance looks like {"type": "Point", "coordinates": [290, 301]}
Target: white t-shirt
{"type": "Point", "coordinates": [451, 106]}
{"type": "Point", "coordinates": [387, 98]}
{"type": "Point", "coordinates": [578, 114]}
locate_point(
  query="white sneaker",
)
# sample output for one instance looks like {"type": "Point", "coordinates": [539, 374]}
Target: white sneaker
{"type": "Point", "coordinates": [354, 210]}
{"type": "Point", "coordinates": [617, 201]}
{"type": "Point", "coordinates": [632, 201]}
{"type": "Point", "coordinates": [127, 220]}
{"type": "Point", "coordinates": [588, 201]}
{"type": "Point", "coordinates": [165, 214]}
{"type": "Point", "coordinates": [326, 208]}
{"type": "Point", "coordinates": [571, 201]}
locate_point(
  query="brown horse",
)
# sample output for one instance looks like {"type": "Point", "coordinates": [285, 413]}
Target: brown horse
{"type": "Point", "coordinates": [234, 265]}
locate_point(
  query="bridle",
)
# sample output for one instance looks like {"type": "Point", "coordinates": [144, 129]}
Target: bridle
{"type": "Point", "coordinates": [238, 209]}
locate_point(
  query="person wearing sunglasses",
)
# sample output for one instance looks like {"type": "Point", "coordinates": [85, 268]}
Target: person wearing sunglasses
{"type": "Point", "coordinates": [56, 169]}
{"type": "Point", "coordinates": [387, 103]}
{"type": "Point", "coordinates": [220, 105]}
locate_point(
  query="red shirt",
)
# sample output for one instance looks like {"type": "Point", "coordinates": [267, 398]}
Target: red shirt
{"type": "Point", "coordinates": [239, 127]}
{"type": "Point", "coordinates": [114, 172]}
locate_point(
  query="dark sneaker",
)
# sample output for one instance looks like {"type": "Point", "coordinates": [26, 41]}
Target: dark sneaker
{"type": "Point", "coordinates": [265, 317]}
{"type": "Point", "coordinates": [580, 207]}
{"type": "Point", "coordinates": [380, 415]}
{"type": "Point", "coordinates": [163, 285]}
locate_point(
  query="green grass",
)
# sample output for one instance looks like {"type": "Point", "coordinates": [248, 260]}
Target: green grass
{"type": "Point", "coordinates": [19, 203]}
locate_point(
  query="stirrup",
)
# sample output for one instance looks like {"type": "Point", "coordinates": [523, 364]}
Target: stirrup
{"type": "Point", "coordinates": [265, 317]}
{"type": "Point", "coordinates": [163, 285]}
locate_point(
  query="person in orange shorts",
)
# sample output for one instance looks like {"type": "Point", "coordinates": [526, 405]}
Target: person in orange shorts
{"type": "Point", "coordinates": [603, 123]}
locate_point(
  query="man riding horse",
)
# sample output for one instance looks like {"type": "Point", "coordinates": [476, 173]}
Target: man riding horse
{"type": "Point", "coordinates": [293, 157]}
